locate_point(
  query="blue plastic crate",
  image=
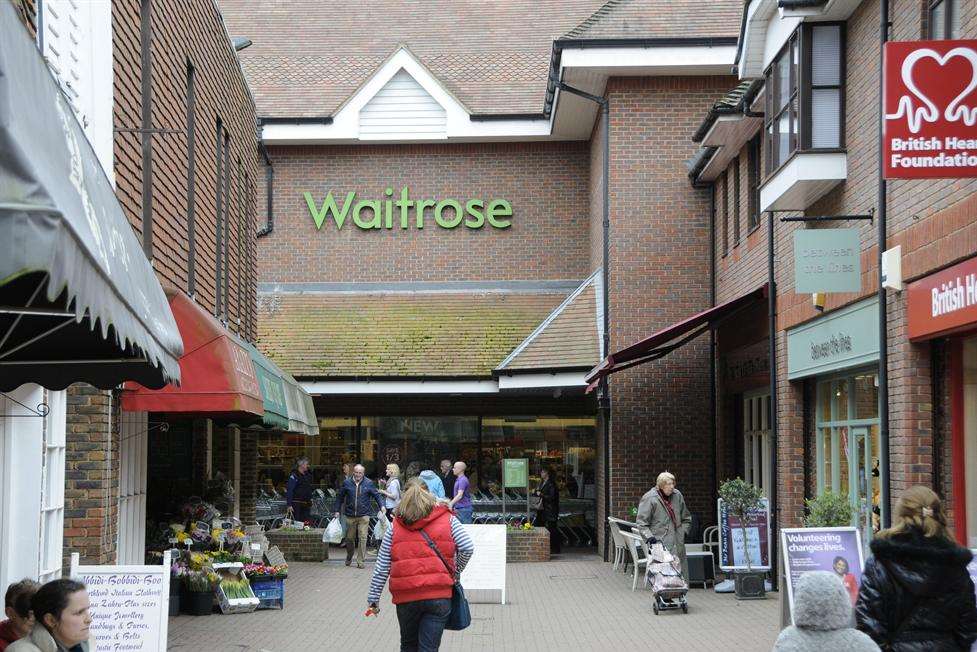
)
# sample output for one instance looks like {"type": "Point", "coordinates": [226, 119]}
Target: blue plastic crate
{"type": "Point", "coordinates": [270, 592]}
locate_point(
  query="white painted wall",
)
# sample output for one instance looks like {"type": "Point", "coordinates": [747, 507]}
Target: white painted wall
{"type": "Point", "coordinates": [403, 109]}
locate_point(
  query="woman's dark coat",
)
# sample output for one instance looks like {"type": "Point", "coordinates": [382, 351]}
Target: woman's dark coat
{"type": "Point", "coordinates": [916, 595]}
{"type": "Point", "coordinates": [550, 509]}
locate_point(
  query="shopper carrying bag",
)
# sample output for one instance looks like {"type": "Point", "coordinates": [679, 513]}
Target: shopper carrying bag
{"type": "Point", "coordinates": [460, 616]}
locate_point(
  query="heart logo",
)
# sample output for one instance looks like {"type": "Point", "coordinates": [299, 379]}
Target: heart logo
{"type": "Point", "coordinates": [928, 112]}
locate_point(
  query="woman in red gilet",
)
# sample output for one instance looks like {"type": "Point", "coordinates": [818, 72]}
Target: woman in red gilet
{"type": "Point", "coordinates": [420, 582]}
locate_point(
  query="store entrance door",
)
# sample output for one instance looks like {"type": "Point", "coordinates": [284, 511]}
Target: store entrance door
{"type": "Point", "coordinates": [860, 474]}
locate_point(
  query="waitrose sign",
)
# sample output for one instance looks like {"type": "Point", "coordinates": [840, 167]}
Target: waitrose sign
{"type": "Point", "coordinates": [404, 212]}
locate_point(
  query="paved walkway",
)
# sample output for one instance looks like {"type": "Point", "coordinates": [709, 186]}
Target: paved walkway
{"type": "Point", "coordinates": [574, 604]}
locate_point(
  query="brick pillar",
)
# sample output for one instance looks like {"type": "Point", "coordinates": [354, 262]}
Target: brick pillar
{"type": "Point", "coordinates": [91, 475]}
{"type": "Point", "coordinates": [790, 442]}
{"type": "Point", "coordinates": [201, 454]}
{"type": "Point", "coordinates": [249, 474]}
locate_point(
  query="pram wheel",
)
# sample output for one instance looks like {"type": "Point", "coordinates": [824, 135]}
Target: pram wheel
{"type": "Point", "coordinates": [685, 608]}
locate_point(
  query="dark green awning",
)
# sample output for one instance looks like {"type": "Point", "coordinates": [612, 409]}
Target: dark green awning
{"type": "Point", "coordinates": [288, 407]}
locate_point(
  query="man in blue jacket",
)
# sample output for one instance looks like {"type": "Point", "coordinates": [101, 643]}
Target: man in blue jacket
{"type": "Point", "coordinates": [354, 501]}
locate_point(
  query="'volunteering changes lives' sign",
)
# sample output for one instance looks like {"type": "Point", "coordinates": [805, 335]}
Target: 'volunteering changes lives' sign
{"type": "Point", "coordinates": [930, 99]}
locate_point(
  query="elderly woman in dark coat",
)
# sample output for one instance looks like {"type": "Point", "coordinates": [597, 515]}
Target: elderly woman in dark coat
{"type": "Point", "coordinates": [662, 514]}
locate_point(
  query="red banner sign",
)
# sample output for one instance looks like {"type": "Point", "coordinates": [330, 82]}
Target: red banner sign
{"type": "Point", "coordinates": [945, 302]}
{"type": "Point", "coordinates": [930, 91]}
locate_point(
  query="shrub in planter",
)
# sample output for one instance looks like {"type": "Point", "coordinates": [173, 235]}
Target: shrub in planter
{"type": "Point", "coordinates": [830, 509]}
{"type": "Point", "coordinates": [743, 498]}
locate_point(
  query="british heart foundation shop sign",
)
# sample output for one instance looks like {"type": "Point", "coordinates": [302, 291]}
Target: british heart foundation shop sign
{"type": "Point", "coordinates": [930, 91]}
{"type": "Point", "coordinates": [944, 302]}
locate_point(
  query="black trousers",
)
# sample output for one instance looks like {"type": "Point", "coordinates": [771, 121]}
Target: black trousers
{"type": "Point", "coordinates": [300, 510]}
{"type": "Point", "coordinates": [543, 520]}
{"type": "Point", "coordinates": [422, 624]}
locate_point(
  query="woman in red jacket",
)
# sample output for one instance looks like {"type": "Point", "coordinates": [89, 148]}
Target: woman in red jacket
{"type": "Point", "coordinates": [420, 583]}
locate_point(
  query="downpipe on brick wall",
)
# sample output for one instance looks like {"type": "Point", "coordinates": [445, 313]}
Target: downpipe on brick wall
{"type": "Point", "coordinates": [885, 499]}
{"type": "Point", "coordinates": [603, 393]}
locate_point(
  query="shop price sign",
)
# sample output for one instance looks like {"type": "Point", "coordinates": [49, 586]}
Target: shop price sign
{"type": "Point", "coordinates": [827, 260]}
{"type": "Point", "coordinates": [930, 99]}
{"type": "Point", "coordinates": [515, 473]}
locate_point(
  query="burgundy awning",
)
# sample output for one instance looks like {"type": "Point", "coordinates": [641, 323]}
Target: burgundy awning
{"type": "Point", "coordinates": [664, 341]}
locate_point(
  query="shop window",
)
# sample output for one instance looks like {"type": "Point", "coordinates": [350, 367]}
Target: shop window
{"type": "Point", "coordinates": [805, 94]}
{"type": "Point", "coordinates": [278, 452]}
{"type": "Point", "coordinates": [50, 555]}
{"type": "Point", "coordinates": [753, 175]}
{"type": "Point", "coordinates": [756, 440]}
{"type": "Point", "coordinates": [943, 17]}
{"type": "Point", "coordinates": [847, 449]}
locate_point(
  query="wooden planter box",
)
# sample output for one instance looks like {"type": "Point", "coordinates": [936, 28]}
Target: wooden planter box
{"type": "Point", "coordinates": [527, 545]}
{"type": "Point", "coordinates": [300, 545]}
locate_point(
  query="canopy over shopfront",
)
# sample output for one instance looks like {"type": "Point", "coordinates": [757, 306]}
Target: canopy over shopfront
{"type": "Point", "coordinates": [219, 379]}
{"type": "Point", "coordinates": [288, 407]}
{"type": "Point", "coordinates": [664, 341]}
{"type": "Point", "coordinates": [78, 298]}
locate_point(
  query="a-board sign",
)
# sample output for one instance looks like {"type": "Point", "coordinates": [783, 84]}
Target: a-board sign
{"type": "Point", "coordinates": [129, 604]}
{"type": "Point", "coordinates": [834, 549]}
{"type": "Point", "coordinates": [732, 551]}
{"type": "Point", "coordinates": [515, 473]}
{"type": "Point", "coordinates": [486, 569]}
{"type": "Point", "coordinates": [275, 556]}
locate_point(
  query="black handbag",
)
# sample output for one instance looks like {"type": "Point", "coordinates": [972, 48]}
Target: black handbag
{"type": "Point", "coordinates": [460, 616]}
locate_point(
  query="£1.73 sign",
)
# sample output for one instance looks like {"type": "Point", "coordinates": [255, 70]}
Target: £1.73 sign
{"type": "Point", "coordinates": [930, 103]}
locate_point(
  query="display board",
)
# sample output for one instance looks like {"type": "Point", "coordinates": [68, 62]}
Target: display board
{"type": "Point", "coordinates": [486, 569]}
{"type": "Point", "coordinates": [129, 604]}
{"type": "Point", "coordinates": [731, 543]}
{"type": "Point", "coordinates": [835, 549]}
{"type": "Point", "coordinates": [515, 473]}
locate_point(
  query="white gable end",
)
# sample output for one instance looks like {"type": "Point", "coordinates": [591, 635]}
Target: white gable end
{"type": "Point", "coordinates": [402, 109]}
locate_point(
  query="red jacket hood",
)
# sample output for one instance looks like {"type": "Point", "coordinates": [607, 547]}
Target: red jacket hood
{"type": "Point", "coordinates": [439, 511]}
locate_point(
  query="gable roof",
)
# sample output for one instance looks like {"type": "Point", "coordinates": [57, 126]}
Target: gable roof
{"type": "Point", "coordinates": [397, 334]}
{"type": "Point", "coordinates": [568, 338]}
{"type": "Point", "coordinates": [309, 56]}
{"type": "Point", "coordinates": [640, 19]}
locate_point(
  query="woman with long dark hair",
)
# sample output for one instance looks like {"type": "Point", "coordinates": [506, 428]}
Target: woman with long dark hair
{"type": "Point", "coordinates": [62, 617]}
{"type": "Point", "coordinates": [916, 593]}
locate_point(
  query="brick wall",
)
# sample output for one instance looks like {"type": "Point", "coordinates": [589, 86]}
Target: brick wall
{"type": "Point", "coordinates": [546, 183]}
{"type": "Point", "coordinates": [935, 222]}
{"type": "Point", "coordinates": [659, 274]}
{"type": "Point", "coordinates": [527, 545]}
{"type": "Point", "coordinates": [91, 475]}
{"type": "Point", "coordinates": [300, 545]}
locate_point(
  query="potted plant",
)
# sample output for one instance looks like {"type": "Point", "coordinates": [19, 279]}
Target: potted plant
{"type": "Point", "coordinates": [198, 592]}
{"type": "Point", "coordinates": [742, 499]}
{"type": "Point", "coordinates": [830, 509]}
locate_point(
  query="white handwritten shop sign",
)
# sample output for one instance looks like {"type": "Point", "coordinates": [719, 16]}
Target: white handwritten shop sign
{"type": "Point", "coordinates": [129, 605]}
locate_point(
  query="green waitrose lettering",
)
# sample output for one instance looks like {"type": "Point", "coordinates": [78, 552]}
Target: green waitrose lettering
{"type": "Point", "coordinates": [385, 213]}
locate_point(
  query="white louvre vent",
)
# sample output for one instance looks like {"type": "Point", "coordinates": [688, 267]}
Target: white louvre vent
{"type": "Point", "coordinates": [402, 109]}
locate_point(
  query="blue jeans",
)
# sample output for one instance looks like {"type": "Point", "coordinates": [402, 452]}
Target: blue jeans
{"type": "Point", "coordinates": [422, 624]}
{"type": "Point", "coordinates": [465, 514]}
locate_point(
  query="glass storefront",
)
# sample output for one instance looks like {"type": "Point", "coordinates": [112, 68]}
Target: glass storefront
{"type": "Point", "coordinates": [847, 448]}
{"type": "Point", "coordinates": [567, 445]}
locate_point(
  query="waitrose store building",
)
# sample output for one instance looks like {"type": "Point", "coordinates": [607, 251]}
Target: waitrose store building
{"type": "Point", "coordinates": [435, 265]}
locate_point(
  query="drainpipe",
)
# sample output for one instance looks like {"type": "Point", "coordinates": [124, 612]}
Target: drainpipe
{"type": "Point", "coordinates": [146, 62]}
{"type": "Point", "coordinates": [603, 394]}
{"type": "Point", "coordinates": [885, 493]}
{"type": "Point", "coordinates": [269, 192]}
{"type": "Point", "coordinates": [713, 395]}
{"type": "Point", "coordinates": [772, 328]}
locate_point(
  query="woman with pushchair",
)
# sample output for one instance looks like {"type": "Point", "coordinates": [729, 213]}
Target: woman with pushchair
{"type": "Point", "coordinates": [663, 516]}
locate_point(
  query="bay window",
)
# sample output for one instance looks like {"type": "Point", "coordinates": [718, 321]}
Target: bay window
{"type": "Point", "coordinates": [944, 19]}
{"type": "Point", "coordinates": [805, 94]}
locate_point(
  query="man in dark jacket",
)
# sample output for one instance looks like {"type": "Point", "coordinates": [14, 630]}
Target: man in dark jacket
{"type": "Point", "coordinates": [298, 490]}
{"type": "Point", "coordinates": [354, 501]}
{"type": "Point", "coordinates": [447, 478]}
{"type": "Point", "coordinates": [916, 595]}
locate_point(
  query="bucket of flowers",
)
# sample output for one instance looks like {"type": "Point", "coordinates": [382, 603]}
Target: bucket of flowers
{"type": "Point", "coordinates": [197, 590]}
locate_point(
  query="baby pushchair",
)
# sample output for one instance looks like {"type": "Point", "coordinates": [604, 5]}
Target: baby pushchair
{"type": "Point", "coordinates": [667, 583]}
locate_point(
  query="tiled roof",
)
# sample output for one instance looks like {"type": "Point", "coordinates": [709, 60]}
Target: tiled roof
{"type": "Point", "coordinates": [617, 19]}
{"type": "Point", "coordinates": [731, 102]}
{"type": "Point", "coordinates": [414, 334]}
{"type": "Point", "coordinates": [309, 56]}
{"type": "Point", "coordinates": [568, 338]}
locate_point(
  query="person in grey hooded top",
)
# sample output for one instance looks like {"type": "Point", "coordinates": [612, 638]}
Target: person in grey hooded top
{"type": "Point", "coordinates": [822, 618]}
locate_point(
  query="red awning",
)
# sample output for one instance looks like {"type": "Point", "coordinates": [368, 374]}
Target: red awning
{"type": "Point", "coordinates": [663, 342]}
{"type": "Point", "coordinates": [217, 376]}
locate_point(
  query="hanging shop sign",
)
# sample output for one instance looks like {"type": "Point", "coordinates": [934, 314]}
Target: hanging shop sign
{"type": "Point", "coordinates": [945, 302]}
{"type": "Point", "coordinates": [930, 94]}
{"type": "Point", "coordinates": [404, 212]}
{"type": "Point", "coordinates": [840, 340]}
{"type": "Point", "coordinates": [827, 260]}
{"type": "Point", "coordinates": [129, 604]}
{"type": "Point", "coordinates": [833, 549]}
{"type": "Point", "coordinates": [734, 544]}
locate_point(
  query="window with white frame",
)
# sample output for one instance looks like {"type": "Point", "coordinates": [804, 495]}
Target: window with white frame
{"type": "Point", "coordinates": [756, 440]}
{"type": "Point", "coordinates": [944, 19]}
{"type": "Point", "coordinates": [50, 552]}
{"type": "Point", "coordinates": [805, 94]}
{"type": "Point", "coordinates": [847, 444]}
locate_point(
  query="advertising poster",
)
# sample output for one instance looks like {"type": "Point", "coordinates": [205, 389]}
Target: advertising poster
{"type": "Point", "coordinates": [733, 546]}
{"type": "Point", "coordinates": [835, 549]}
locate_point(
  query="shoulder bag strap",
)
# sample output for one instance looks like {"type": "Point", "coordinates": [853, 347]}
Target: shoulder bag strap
{"type": "Point", "coordinates": [434, 547]}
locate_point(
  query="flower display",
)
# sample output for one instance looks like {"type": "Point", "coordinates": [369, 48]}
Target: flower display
{"type": "Point", "coordinates": [265, 570]}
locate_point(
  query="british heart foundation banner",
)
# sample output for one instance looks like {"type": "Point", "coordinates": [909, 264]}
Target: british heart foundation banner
{"type": "Point", "coordinates": [930, 91]}
{"type": "Point", "coordinates": [834, 549]}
